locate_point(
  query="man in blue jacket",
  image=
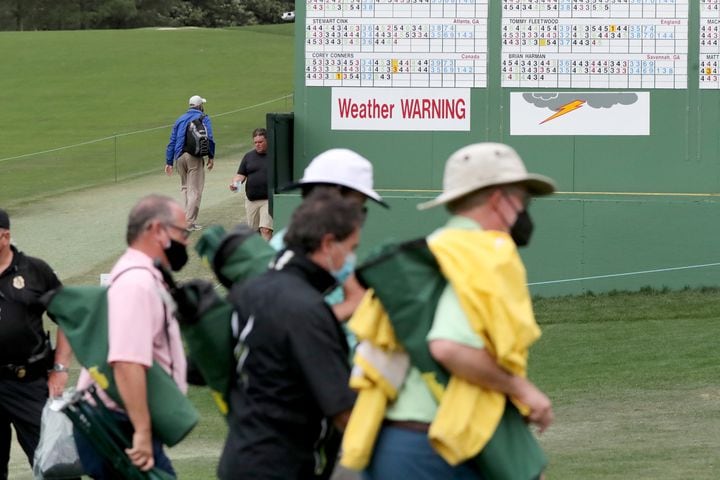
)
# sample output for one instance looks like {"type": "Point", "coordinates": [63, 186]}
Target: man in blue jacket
{"type": "Point", "coordinates": [189, 166]}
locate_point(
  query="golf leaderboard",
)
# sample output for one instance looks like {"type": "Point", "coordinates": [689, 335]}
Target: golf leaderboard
{"type": "Point", "coordinates": [607, 44]}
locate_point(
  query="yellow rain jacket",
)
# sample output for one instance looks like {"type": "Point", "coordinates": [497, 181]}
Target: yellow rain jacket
{"type": "Point", "coordinates": [377, 355]}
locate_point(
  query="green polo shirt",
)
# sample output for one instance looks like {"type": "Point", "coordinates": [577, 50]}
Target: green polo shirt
{"type": "Point", "coordinates": [415, 402]}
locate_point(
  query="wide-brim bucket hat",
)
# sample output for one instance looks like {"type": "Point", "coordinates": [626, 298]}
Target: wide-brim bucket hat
{"type": "Point", "coordinates": [484, 165]}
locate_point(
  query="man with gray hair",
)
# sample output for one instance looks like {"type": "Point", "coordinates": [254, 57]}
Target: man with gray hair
{"type": "Point", "coordinates": [292, 373]}
{"type": "Point", "coordinates": [467, 375]}
{"type": "Point", "coordinates": [190, 164]}
{"type": "Point", "coordinates": [142, 329]}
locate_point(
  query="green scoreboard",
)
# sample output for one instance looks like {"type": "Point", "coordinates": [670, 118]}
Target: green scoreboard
{"type": "Point", "coordinates": [617, 100]}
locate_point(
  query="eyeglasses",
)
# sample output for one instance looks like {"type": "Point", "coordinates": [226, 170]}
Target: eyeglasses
{"type": "Point", "coordinates": [185, 232]}
{"type": "Point", "coordinates": [525, 198]}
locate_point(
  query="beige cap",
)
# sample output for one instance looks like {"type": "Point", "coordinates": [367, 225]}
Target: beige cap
{"type": "Point", "coordinates": [483, 165]}
{"type": "Point", "coordinates": [196, 101]}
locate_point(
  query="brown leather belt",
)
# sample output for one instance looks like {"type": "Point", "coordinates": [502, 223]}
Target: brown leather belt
{"type": "Point", "coordinates": [408, 425]}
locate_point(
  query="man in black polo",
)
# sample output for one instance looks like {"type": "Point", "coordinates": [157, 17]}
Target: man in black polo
{"type": "Point", "coordinates": [27, 371]}
{"type": "Point", "coordinates": [291, 386]}
{"type": "Point", "coordinates": [253, 172]}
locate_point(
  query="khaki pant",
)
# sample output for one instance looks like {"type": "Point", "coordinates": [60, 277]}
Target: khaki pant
{"type": "Point", "coordinates": [192, 182]}
{"type": "Point", "coordinates": [258, 214]}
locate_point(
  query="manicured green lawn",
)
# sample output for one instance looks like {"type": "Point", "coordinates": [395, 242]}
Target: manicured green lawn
{"type": "Point", "coordinates": [634, 382]}
{"type": "Point", "coordinates": [71, 87]}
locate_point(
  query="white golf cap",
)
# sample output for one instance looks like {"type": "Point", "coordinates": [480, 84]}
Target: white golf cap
{"type": "Point", "coordinates": [196, 101]}
{"type": "Point", "coordinates": [484, 165]}
{"type": "Point", "coordinates": [340, 166]}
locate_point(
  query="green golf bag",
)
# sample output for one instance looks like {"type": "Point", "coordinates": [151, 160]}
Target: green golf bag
{"type": "Point", "coordinates": [99, 426]}
{"type": "Point", "coordinates": [204, 316]}
{"type": "Point", "coordinates": [236, 256]}
{"type": "Point", "coordinates": [82, 312]}
{"type": "Point", "coordinates": [204, 320]}
{"type": "Point", "coordinates": [407, 280]}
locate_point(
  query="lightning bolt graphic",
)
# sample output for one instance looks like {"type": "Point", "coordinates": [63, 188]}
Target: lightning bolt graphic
{"type": "Point", "coordinates": [567, 108]}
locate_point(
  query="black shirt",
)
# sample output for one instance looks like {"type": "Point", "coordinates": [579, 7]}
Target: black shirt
{"type": "Point", "coordinates": [21, 286]}
{"type": "Point", "coordinates": [254, 167]}
{"type": "Point", "coordinates": [294, 373]}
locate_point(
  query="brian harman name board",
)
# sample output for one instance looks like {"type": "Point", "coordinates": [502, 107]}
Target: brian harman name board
{"type": "Point", "coordinates": [445, 109]}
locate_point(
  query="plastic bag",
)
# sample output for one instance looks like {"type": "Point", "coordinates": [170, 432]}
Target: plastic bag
{"type": "Point", "coordinates": [56, 456]}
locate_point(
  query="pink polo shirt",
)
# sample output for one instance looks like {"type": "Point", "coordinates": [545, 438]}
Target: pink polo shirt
{"type": "Point", "coordinates": [140, 327]}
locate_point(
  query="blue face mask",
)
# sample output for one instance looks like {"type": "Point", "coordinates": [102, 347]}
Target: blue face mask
{"type": "Point", "coordinates": [347, 268]}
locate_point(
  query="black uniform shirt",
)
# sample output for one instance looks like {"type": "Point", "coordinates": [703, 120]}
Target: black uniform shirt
{"type": "Point", "coordinates": [294, 373]}
{"type": "Point", "coordinates": [254, 167]}
{"type": "Point", "coordinates": [21, 286]}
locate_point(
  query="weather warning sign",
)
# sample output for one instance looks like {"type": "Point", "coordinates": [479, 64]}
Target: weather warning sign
{"type": "Point", "coordinates": [430, 109]}
{"type": "Point", "coordinates": [595, 43]}
{"type": "Point", "coordinates": [580, 113]}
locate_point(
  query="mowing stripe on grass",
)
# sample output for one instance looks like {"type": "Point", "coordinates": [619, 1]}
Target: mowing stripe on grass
{"type": "Point", "coordinates": [126, 134]}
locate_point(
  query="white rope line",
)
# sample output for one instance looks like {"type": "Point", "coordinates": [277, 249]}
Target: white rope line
{"type": "Point", "coordinates": [56, 149]}
{"type": "Point", "coordinates": [626, 274]}
{"type": "Point", "coordinates": [290, 95]}
{"type": "Point", "coordinates": [97, 140]}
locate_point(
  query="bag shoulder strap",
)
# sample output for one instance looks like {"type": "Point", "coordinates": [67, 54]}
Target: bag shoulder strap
{"type": "Point", "coordinates": [165, 313]}
{"type": "Point", "coordinates": [137, 267]}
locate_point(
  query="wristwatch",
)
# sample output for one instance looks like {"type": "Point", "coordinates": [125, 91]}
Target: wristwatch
{"type": "Point", "coordinates": [59, 367]}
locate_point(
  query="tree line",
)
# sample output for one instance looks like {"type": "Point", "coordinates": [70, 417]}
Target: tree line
{"type": "Point", "coordinates": [99, 14]}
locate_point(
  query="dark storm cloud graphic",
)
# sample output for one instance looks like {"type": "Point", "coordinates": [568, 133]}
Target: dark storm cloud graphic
{"type": "Point", "coordinates": [554, 101]}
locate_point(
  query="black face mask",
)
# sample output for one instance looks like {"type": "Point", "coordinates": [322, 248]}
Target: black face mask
{"type": "Point", "coordinates": [522, 229]}
{"type": "Point", "coordinates": [176, 254]}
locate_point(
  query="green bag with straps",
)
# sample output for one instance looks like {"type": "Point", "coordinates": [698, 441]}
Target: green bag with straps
{"type": "Point", "coordinates": [407, 280]}
{"type": "Point", "coordinates": [234, 256]}
{"type": "Point", "coordinates": [82, 312]}
{"type": "Point", "coordinates": [205, 317]}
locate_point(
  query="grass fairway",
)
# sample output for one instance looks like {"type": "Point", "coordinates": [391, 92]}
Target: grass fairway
{"type": "Point", "coordinates": [634, 381]}
{"type": "Point", "coordinates": [71, 87]}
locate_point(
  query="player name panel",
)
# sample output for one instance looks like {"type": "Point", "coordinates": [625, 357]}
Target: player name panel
{"type": "Point", "coordinates": [709, 44]}
{"type": "Point", "coordinates": [594, 43]}
{"type": "Point", "coordinates": [596, 8]}
{"type": "Point", "coordinates": [396, 43]}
